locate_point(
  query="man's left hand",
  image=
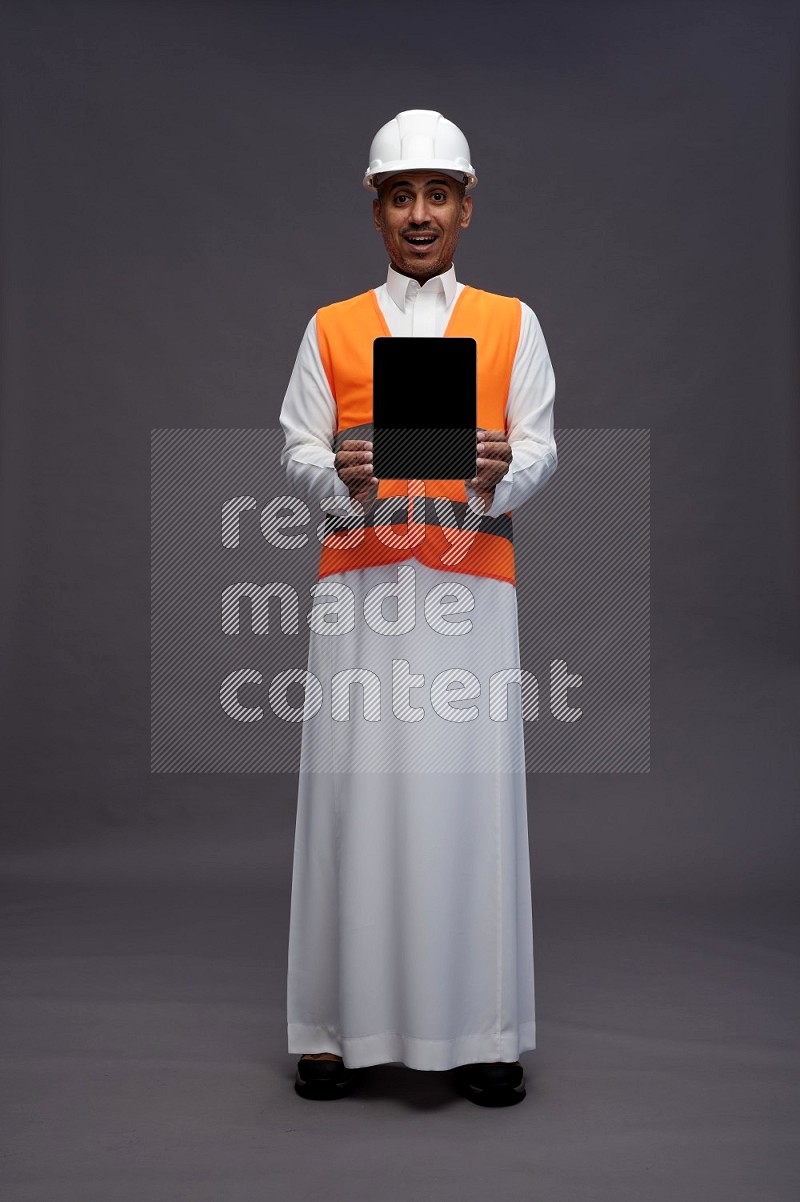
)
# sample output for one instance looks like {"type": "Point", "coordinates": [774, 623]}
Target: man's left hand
{"type": "Point", "coordinates": [494, 456]}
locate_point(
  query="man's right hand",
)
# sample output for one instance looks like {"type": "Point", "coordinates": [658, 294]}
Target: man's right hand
{"type": "Point", "coordinates": [353, 463]}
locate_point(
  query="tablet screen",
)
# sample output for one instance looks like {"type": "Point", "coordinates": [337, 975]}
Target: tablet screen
{"type": "Point", "coordinates": [424, 408]}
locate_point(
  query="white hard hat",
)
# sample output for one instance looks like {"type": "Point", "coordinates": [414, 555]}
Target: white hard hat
{"type": "Point", "coordinates": [419, 140]}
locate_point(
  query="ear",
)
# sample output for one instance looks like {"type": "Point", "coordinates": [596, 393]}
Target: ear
{"type": "Point", "coordinates": [376, 214]}
{"type": "Point", "coordinates": [466, 212]}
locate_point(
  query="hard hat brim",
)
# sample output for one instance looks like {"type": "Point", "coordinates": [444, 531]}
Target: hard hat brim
{"type": "Point", "coordinates": [444, 165]}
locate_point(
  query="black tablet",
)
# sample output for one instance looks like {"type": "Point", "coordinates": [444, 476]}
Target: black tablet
{"type": "Point", "coordinates": [424, 408]}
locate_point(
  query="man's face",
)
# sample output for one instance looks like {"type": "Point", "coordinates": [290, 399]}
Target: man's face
{"type": "Point", "coordinates": [420, 215]}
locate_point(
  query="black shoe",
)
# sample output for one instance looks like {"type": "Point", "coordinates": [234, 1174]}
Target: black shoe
{"type": "Point", "coordinates": [491, 1084]}
{"type": "Point", "coordinates": [323, 1079]}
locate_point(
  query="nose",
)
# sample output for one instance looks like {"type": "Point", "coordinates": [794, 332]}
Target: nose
{"type": "Point", "coordinates": [419, 210]}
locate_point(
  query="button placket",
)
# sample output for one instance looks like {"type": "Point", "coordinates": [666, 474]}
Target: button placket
{"type": "Point", "coordinates": [423, 317]}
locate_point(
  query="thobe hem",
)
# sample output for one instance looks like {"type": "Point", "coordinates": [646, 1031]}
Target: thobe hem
{"type": "Point", "coordinates": [432, 1055]}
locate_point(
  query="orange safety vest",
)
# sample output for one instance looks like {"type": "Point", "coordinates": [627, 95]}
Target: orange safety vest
{"type": "Point", "coordinates": [345, 333]}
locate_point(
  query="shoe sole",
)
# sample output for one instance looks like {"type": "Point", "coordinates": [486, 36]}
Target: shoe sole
{"type": "Point", "coordinates": [323, 1091]}
{"type": "Point", "coordinates": [493, 1095]}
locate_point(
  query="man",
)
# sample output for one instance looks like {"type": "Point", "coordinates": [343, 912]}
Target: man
{"type": "Point", "coordinates": [410, 934]}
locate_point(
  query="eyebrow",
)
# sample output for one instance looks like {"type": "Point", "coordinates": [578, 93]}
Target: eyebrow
{"type": "Point", "coordinates": [405, 183]}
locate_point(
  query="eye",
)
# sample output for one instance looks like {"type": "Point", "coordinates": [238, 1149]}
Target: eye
{"type": "Point", "coordinates": [400, 197]}
{"type": "Point", "coordinates": [441, 194]}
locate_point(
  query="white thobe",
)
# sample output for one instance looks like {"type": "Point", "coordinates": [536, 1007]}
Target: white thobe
{"type": "Point", "coordinates": [410, 933]}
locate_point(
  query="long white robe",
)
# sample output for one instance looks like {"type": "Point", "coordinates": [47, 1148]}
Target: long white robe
{"type": "Point", "coordinates": [410, 934]}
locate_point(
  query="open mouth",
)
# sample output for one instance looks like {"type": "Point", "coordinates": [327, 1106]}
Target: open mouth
{"type": "Point", "coordinates": [420, 242]}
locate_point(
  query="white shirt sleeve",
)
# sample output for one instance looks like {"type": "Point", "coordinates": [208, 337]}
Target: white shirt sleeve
{"type": "Point", "coordinates": [309, 420]}
{"type": "Point", "coordinates": [529, 416]}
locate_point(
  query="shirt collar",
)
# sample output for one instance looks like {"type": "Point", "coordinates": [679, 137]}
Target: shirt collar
{"type": "Point", "coordinates": [398, 286]}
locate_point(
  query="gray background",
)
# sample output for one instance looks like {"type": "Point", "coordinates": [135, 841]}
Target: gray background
{"type": "Point", "coordinates": [181, 192]}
